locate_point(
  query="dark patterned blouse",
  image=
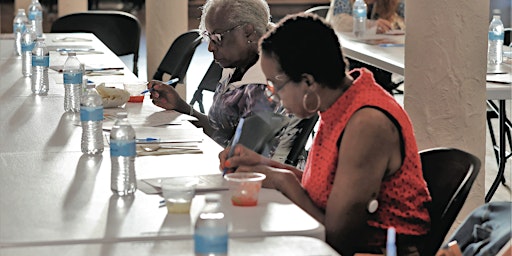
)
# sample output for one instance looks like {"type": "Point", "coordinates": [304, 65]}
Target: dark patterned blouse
{"type": "Point", "coordinates": [243, 98]}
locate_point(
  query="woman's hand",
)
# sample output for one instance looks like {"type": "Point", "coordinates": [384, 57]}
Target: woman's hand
{"type": "Point", "coordinates": [241, 156]}
{"type": "Point", "coordinates": [383, 26]}
{"type": "Point", "coordinates": [167, 97]}
{"type": "Point", "coordinates": [246, 160]}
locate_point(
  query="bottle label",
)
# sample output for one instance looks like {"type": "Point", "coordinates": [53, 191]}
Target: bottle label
{"type": "Point", "coordinates": [205, 244]}
{"type": "Point", "coordinates": [359, 13]}
{"type": "Point", "coordinates": [27, 47]}
{"type": "Point", "coordinates": [91, 113]}
{"type": "Point", "coordinates": [72, 77]}
{"type": "Point", "coordinates": [494, 36]}
{"type": "Point", "coordinates": [122, 148]}
{"type": "Point", "coordinates": [17, 27]}
{"type": "Point", "coordinates": [33, 15]}
{"type": "Point", "coordinates": [42, 61]}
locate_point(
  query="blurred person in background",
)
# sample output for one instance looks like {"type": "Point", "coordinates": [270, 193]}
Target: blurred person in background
{"type": "Point", "coordinates": [383, 16]}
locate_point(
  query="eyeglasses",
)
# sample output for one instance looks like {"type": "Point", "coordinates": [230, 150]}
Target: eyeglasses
{"type": "Point", "coordinates": [216, 38]}
{"type": "Point", "coordinates": [271, 90]}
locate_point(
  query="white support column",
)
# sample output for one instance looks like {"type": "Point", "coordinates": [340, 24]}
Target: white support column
{"type": "Point", "coordinates": [445, 60]}
{"type": "Point", "coordinates": [165, 21]}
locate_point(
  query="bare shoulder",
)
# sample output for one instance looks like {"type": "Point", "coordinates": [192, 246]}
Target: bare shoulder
{"type": "Point", "coordinates": [371, 134]}
{"type": "Point", "coordinates": [371, 119]}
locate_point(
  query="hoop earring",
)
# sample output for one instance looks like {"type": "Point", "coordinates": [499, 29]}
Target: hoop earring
{"type": "Point", "coordinates": [305, 100]}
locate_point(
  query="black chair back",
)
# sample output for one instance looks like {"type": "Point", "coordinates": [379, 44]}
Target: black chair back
{"type": "Point", "coordinates": [209, 83]}
{"type": "Point", "coordinates": [177, 59]}
{"type": "Point", "coordinates": [507, 38]}
{"type": "Point", "coordinates": [119, 31]}
{"type": "Point", "coordinates": [305, 127]}
{"type": "Point", "coordinates": [449, 174]}
{"type": "Point", "coordinates": [320, 10]}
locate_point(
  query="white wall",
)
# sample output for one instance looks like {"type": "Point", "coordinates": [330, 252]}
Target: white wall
{"type": "Point", "coordinates": [445, 60]}
{"type": "Point", "coordinates": [165, 21]}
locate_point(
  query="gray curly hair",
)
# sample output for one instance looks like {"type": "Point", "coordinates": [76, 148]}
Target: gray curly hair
{"type": "Point", "coordinates": [255, 12]}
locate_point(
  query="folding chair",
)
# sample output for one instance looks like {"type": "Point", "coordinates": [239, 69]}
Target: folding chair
{"type": "Point", "coordinates": [119, 31]}
{"type": "Point", "coordinates": [493, 113]}
{"type": "Point", "coordinates": [305, 127]}
{"type": "Point", "coordinates": [209, 83]}
{"type": "Point", "coordinates": [177, 59]}
{"type": "Point", "coordinates": [449, 174]}
{"type": "Point", "coordinates": [320, 10]}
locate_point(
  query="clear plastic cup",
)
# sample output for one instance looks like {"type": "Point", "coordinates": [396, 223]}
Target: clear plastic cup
{"type": "Point", "coordinates": [178, 193]}
{"type": "Point", "coordinates": [244, 187]}
{"type": "Point", "coordinates": [135, 90]}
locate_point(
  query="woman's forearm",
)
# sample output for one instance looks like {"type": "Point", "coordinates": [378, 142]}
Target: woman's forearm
{"type": "Point", "coordinates": [203, 122]}
{"type": "Point", "coordinates": [291, 187]}
{"type": "Point", "coordinates": [275, 164]}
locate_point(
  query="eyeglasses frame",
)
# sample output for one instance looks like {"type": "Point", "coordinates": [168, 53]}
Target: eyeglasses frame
{"type": "Point", "coordinates": [216, 38]}
{"type": "Point", "coordinates": [271, 90]}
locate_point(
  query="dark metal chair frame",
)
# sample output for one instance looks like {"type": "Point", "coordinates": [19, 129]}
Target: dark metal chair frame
{"type": "Point", "coordinates": [306, 130]}
{"type": "Point", "coordinates": [176, 61]}
{"type": "Point", "coordinates": [505, 127]}
{"type": "Point", "coordinates": [209, 83]}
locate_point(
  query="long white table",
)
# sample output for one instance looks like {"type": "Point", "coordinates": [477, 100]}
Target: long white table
{"type": "Point", "coordinates": [65, 197]}
{"type": "Point", "coordinates": [277, 245]}
{"type": "Point", "coordinates": [52, 195]}
{"type": "Point", "coordinates": [387, 58]}
{"type": "Point", "coordinates": [392, 59]}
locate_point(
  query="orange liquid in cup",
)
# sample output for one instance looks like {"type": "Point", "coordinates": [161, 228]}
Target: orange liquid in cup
{"type": "Point", "coordinates": [240, 201]}
{"type": "Point", "coordinates": [246, 194]}
{"type": "Point", "coordinates": [138, 98]}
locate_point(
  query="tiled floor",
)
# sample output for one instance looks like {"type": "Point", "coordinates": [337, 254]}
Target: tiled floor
{"type": "Point", "coordinates": [202, 59]}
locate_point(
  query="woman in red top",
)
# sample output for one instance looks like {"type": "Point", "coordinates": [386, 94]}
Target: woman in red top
{"type": "Point", "coordinates": [363, 173]}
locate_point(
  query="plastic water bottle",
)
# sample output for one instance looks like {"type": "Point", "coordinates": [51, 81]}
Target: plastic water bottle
{"type": "Point", "coordinates": [40, 64]}
{"type": "Point", "coordinates": [495, 41]}
{"type": "Point", "coordinates": [18, 27]}
{"type": "Point", "coordinates": [35, 16]}
{"type": "Point", "coordinates": [211, 229]}
{"type": "Point", "coordinates": [72, 74]}
{"type": "Point", "coordinates": [122, 156]}
{"type": "Point", "coordinates": [28, 40]}
{"type": "Point", "coordinates": [91, 118]}
{"type": "Point", "coordinates": [359, 15]}
{"type": "Point", "coordinates": [84, 77]}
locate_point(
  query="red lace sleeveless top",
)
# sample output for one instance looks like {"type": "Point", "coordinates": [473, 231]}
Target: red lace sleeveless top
{"type": "Point", "coordinates": [403, 195]}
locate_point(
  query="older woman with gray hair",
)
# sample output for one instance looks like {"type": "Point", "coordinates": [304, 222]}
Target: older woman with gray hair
{"type": "Point", "coordinates": [232, 29]}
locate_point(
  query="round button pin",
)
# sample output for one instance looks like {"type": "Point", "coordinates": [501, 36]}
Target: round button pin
{"type": "Point", "coordinates": [373, 205]}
